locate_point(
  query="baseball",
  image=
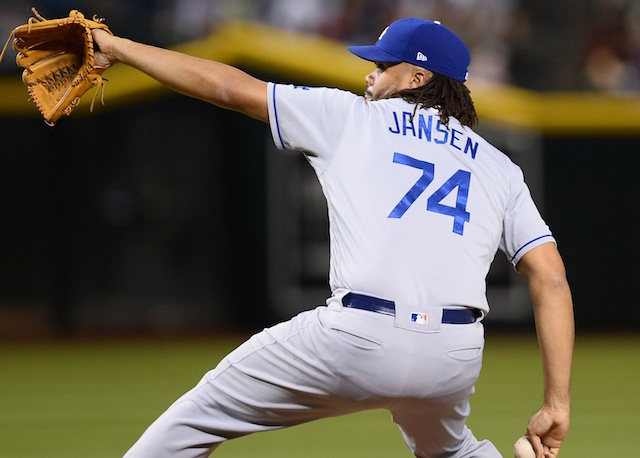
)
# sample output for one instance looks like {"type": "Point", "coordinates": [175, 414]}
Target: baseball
{"type": "Point", "coordinates": [523, 449]}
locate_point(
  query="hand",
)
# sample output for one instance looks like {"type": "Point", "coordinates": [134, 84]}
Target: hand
{"type": "Point", "coordinates": [547, 429]}
{"type": "Point", "coordinates": [104, 48]}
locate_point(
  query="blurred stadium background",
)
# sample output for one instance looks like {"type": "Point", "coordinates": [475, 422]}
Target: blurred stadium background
{"type": "Point", "coordinates": [158, 216]}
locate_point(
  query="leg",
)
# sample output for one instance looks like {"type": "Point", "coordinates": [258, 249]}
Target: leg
{"type": "Point", "coordinates": [437, 429]}
{"type": "Point", "coordinates": [433, 420]}
{"type": "Point", "coordinates": [278, 378]}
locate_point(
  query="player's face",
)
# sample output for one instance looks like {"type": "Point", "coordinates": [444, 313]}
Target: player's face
{"type": "Point", "coordinates": [387, 79]}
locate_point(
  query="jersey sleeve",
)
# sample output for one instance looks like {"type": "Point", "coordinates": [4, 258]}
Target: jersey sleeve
{"type": "Point", "coordinates": [524, 229]}
{"type": "Point", "coordinates": [309, 119]}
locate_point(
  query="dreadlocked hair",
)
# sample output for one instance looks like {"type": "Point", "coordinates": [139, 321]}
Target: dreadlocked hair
{"type": "Point", "coordinates": [449, 96]}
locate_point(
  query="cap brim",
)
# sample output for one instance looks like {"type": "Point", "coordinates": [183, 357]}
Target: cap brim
{"type": "Point", "coordinates": [373, 53]}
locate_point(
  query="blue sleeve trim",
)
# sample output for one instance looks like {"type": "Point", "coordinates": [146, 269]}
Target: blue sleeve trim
{"type": "Point", "coordinates": [275, 115]}
{"type": "Point", "coordinates": [527, 244]}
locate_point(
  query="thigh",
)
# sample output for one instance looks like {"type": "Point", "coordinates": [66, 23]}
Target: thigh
{"type": "Point", "coordinates": [277, 378]}
{"type": "Point", "coordinates": [437, 428]}
{"type": "Point", "coordinates": [433, 413]}
{"type": "Point", "coordinates": [446, 363]}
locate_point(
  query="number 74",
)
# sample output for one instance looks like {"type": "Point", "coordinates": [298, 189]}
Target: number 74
{"type": "Point", "coordinates": [459, 180]}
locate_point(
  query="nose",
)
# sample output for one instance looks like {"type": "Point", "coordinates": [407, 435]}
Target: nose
{"type": "Point", "coordinates": [370, 78]}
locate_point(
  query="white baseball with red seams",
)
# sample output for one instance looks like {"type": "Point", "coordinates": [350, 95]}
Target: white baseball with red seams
{"type": "Point", "coordinates": [523, 449]}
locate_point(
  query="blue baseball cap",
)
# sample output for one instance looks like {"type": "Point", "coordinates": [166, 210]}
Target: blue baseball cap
{"type": "Point", "coordinates": [420, 42]}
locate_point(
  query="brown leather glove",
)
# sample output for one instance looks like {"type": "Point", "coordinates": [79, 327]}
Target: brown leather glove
{"type": "Point", "coordinates": [58, 60]}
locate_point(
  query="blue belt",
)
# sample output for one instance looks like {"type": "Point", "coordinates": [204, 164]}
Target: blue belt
{"type": "Point", "coordinates": [377, 305]}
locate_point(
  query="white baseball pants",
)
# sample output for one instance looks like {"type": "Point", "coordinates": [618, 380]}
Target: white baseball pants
{"type": "Point", "coordinates": [328, 362]}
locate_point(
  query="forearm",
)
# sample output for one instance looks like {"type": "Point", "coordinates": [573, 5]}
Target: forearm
{"type": "Point", "coordinates": [553, 308]}
{"type": "Point", "coordinates": [555, 328]}
{"type": "Point", "coordinates": [214, 82]}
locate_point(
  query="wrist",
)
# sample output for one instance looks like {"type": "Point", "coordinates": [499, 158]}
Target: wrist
{"type": "Point", "coordinates": [116, 53]}
{"type": "Point", "coordinates": [558, 404]}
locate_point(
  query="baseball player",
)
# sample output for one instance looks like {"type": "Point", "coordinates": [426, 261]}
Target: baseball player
{"type": "Point", "coordinates": [418, 205]}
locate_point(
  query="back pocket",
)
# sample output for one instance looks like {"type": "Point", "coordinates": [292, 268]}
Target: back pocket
{"type": "Point", "coordinates": [356, 341]}
{"type": "Point", "coordinates": [465, 354]}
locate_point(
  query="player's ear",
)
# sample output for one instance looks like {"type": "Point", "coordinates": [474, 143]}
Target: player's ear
{"type": "Point", "coordinates": [420, 77]}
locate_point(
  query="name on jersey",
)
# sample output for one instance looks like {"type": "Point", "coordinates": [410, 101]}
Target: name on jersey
{"type": "Point", "coordinates": [431, 129]}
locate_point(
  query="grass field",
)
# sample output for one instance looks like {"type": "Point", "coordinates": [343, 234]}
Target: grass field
{"type": "Point", "coordinates": [93, 399]}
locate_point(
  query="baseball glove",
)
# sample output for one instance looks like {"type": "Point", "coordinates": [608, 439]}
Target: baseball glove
{"type": "Point", "coordinates": [58, 60]}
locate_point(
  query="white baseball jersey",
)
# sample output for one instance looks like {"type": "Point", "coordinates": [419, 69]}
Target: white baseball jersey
{"type": "Point", "coordinates": [417, 210]}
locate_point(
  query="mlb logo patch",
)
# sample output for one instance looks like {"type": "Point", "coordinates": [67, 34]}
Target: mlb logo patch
{"type": "Point", "coordinates": [419, 318]}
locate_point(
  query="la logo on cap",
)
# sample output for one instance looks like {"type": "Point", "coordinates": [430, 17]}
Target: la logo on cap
{"type": "Point", "coordinates": [383, 32]}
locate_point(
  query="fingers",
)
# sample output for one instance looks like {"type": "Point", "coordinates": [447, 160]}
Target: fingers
{"type": "Point", "coordinates": [551, 452]}
{"type": "Point", "coordinates": [103, 56]}
{"type": "Point", "coordinates": [536, 442]}
{"type": "Point", "coordinates": [546, 431]}
{"type": "Point", "coordinates": [102, 39]}
{"type": "Point", "coordinates": [539, 426]}
{"type": "Point", "coordinates": [542, 450]}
